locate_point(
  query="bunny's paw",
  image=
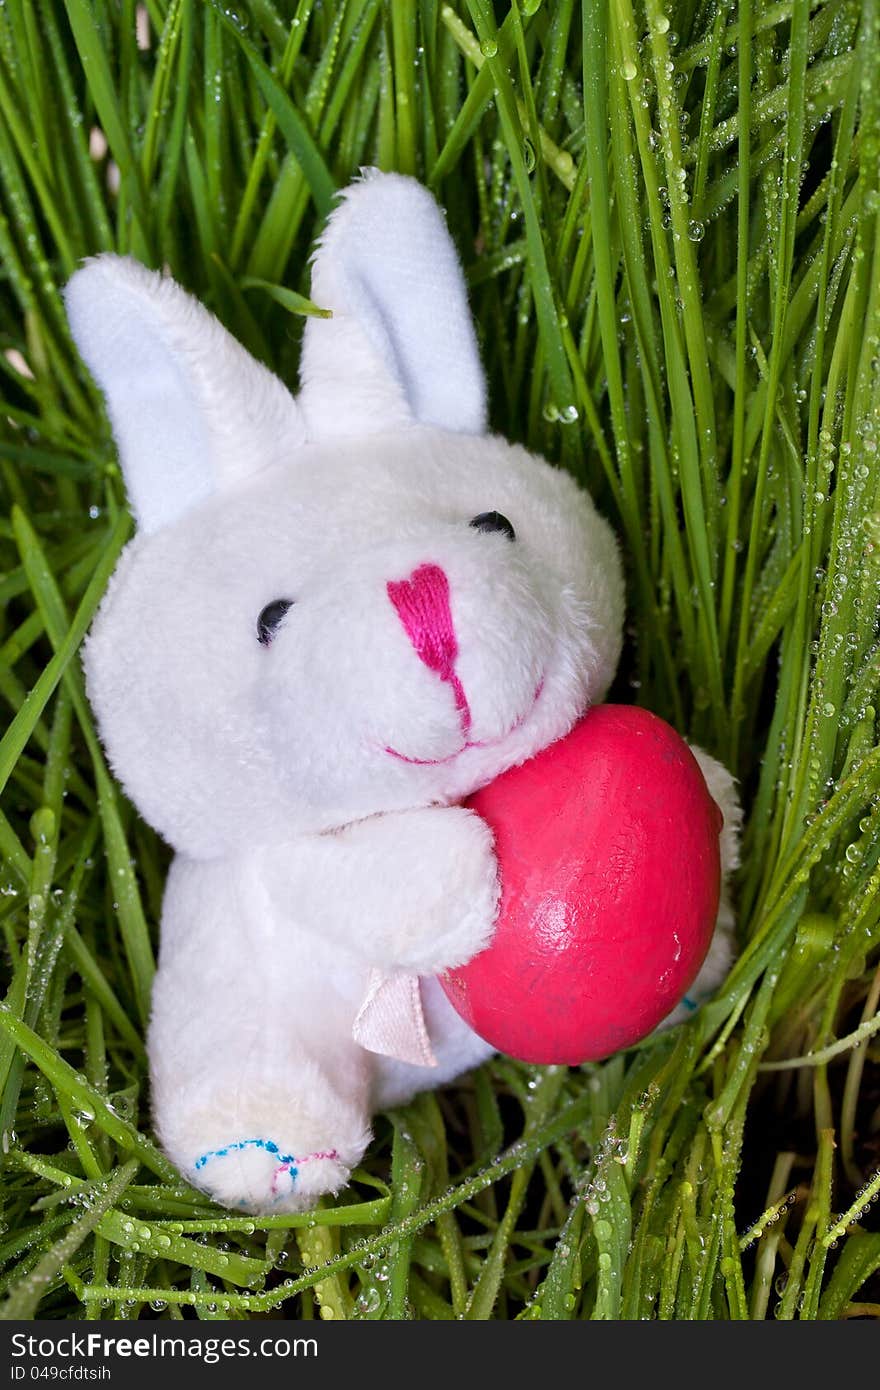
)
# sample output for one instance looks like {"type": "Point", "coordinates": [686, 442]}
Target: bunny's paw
{"type": "Point", "coordinates": [261, 1175]}
{"type": "Point", "coordinates": [253, 1145]}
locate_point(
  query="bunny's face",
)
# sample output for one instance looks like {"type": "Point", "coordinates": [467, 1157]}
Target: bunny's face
{"type": "Point", "coordinates": [355, 634]}
{"type": "Point", "coordinates": [364, 603]}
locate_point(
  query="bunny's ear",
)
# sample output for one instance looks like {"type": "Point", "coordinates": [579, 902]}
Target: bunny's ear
{"type": "Point", "coordinates": [191, 410]}
{"type": "Point", "coordinates": [400, 347]}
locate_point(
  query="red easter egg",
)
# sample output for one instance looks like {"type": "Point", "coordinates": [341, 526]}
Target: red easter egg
{"type": "Point", "coordinates": [608, 851]}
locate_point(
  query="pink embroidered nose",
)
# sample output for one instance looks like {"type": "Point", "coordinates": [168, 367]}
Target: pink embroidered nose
{"type": "Point", "coordinates": [423, 606]}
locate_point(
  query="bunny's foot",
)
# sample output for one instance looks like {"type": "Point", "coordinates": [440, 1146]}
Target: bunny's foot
{"type": "Point", "coordinates": [258, 1174]}
{"type": "Point", "coordinates": [266, 1151]}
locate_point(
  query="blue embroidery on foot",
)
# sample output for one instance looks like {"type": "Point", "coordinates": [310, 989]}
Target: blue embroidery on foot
{"type": "Point", "coordinates": [269, 1145]}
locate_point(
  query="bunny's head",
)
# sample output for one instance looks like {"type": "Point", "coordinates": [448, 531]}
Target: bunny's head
{"type": "Point", "coordinates": [351, 602]}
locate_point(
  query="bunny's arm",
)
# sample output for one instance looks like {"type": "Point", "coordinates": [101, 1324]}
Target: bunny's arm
{"type": "Point", "coordinates": [413, 891]}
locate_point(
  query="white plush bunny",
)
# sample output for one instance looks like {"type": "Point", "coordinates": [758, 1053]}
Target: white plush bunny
{"type": "Point", "coordinates": [341, 614]}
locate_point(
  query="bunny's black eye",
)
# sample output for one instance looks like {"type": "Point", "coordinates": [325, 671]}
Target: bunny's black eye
{"type": "Point", "coordinates": [270, 618]}
{"type": "Point", "coordinates": [493, 521]}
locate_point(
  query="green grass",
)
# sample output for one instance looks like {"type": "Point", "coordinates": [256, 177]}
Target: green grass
{"type": "Point", "coordinates": [670, 221]}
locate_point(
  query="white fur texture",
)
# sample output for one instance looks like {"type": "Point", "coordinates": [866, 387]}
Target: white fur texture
{"type": "Point", "coordinates": [309, 853]}
{"type": "Point", "coordinates": [191, 410]}
{"type": "Point", "coordinates": [387, 248]}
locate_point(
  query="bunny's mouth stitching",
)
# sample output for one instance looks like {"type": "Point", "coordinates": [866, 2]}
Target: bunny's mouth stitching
{"type": "Point", "coordinates": [486, 743]}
